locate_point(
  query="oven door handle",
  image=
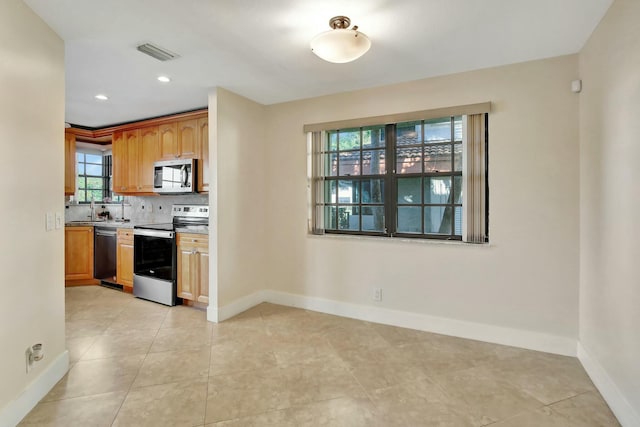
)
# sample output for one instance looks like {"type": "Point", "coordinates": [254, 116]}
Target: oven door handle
{"type": "Point", "coordinates": [153, 233]}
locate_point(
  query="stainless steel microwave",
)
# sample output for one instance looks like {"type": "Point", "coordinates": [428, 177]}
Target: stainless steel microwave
{"type": "Point", "coordinates": [175, 176]}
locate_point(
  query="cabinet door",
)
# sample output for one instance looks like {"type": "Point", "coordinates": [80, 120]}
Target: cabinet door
{"type": "Point", "coordinates": [78, 253]}
{"type": "Point", "coordinates": [187, 139]}
{"type": "Point", "coordinates": [186, 271]}
{"type": "Point", "coordinates": [69, 164]}
{"type": "Point", "coordinates": [124, 258]}
{"type": "Point", "coordinates": [168, 145]}
{"type": "Point", "coordinates": [131, 139]}
{"type": "Point", "coordinates": [202, 289]}
{"type": "Point", "coordinates": [120, 164]}
{"type": "Point", "coordinates": [147, 154]}
{"type": "Point", "coordinates": [203, 154]}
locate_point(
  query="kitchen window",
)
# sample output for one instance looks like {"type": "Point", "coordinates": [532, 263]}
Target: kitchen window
{"type": "Point", "coordinates": [412, 179]}
{"type": "Point", "coordinates": [94, 177]}
{"type": "Point", "coordinates": [90, 181]}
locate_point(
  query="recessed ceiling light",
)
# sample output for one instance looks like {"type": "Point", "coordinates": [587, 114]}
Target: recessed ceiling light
{"type": "Point", "coordinates": [164, 79]}
{"type": "Point", "coordinates": [101, 97]}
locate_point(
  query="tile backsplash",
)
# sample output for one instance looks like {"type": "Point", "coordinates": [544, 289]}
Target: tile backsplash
{"type": "Point", "coordinates": [148, 209]}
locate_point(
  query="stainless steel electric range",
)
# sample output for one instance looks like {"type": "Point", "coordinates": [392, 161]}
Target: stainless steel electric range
{"type": "Point", "coordinates": [154, 249]}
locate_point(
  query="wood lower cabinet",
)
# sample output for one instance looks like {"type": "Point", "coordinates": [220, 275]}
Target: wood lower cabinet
{"type": "Point", "coordinates": [78, 253]}
{"type": "Point", "coordinates": [124, 259]}
{"type": "Point", "coordinates": [193, 267]}
{"type": "Point", "coordinates": [69, 164]}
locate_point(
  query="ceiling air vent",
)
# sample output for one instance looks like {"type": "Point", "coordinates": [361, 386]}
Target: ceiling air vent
{"type": "Point", "coordinates": [157, 52]}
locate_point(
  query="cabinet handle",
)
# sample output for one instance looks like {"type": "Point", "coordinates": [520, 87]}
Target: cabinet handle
{"type": "Point", "coordinates": [194, 240]}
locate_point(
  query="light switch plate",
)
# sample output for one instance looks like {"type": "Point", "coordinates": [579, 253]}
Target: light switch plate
{"type": "Point", "coordinates": [49, 221]}
{"type": "Point", "coordinates": [58, 220]}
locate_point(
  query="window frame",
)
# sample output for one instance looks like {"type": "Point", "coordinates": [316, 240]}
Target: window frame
{"type": "Point", "coordinates": [105, 166]}
{"type": "Point", "coordinates": [84, 176]}
{"type": "Point", "coordinates": [391, 176]}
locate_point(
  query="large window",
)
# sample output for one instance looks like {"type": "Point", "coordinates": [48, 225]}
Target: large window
{"type": "Point", "coordinates": [404, 179]}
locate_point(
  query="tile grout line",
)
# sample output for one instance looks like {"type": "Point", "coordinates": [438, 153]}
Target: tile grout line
{"type": "Point", "coordinates": [137, 373]}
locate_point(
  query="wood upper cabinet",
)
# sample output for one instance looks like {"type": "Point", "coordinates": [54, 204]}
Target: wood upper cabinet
{"type": "Point", "coordinates": [193, 267]}
{"type": "Point", "coordinates": [203, 154]}
{"type": "Point", "coordinates": [69, 164]}
{"type": "Point", "coordinates": [188, 139]}
{"type": "Point", "coordinates": [147, 155]}
{"type": "Point", "coordinates": [179, 140]}
{"type": "Point", "coordinates": [136, 149]}
{"type": "Point", "coordinates": [124, 258]}
{"type": "Point", "coordinates": [131, 139]}
{"type": "Point", "coordinates": [78, 253]}
{"type": "Point", "coordinates": [120, 163]}
{"type": "Point", "coordinates": [134, 152]}
{"type": "Point", "coordinates": [168, 146]}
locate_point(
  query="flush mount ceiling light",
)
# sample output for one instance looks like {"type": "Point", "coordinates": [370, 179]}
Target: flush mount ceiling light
{"type": "Point", "coordinates": [101, 97]}
{"type": "Point", "coordinates": [164, 79]}
{"type": "Point", "coordinates": [340, 44]}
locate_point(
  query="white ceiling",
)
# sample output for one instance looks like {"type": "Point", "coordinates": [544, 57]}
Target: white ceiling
{"type": "Point", "coordinates": [260, 48]}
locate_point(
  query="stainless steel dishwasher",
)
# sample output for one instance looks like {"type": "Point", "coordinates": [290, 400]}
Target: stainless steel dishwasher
{"type": "Point", "coordinates": [104, 255]}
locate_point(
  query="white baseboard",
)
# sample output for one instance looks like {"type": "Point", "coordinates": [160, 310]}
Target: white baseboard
{"type": "Point", "coordinates": [463, 329]}
{"type": "Point", "coordinates": [627, 416]}
{"type": "Point", "coordinates": [440, 325]}
{"type": "Point", "coordinates": [212, 314]}
{"type": "Point", "coordinates": [16, 410]}
{"type": "Point", "coordinates": [236, 307]}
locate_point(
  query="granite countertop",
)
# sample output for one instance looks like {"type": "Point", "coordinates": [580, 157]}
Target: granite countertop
{"type": "Point", "coordinates": [201, 229]}
{"type": "Point", "coordinates": [111, 224]}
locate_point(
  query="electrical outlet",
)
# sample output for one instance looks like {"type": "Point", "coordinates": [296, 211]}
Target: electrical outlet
{"type": "Point", "coordinates": [32, 354]}
{"type": "Point", "coordinates": [377, 294]}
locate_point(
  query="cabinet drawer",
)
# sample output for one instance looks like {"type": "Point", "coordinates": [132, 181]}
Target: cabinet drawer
{"type": "Point", "coordinates": [125, 234]}
{"type": "Point", "coordinates": [195, 240]}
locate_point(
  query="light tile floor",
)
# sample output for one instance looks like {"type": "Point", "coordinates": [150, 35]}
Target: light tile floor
{"type": "Point", "coordinates": [137, 363]}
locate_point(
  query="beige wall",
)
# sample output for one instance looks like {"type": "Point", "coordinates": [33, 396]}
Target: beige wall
{"type": "Point", "coordinates": [527, 278]}
{"type": "Point", "coordinates": [610, 198]}
{"type": "Point", "coordinates": [32, 170]}
{"type": "Point", "coordinates": [239, 201]}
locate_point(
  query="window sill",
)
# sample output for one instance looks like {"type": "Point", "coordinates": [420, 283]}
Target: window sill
{"type": "Point", "coordinates": [417, 241]}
